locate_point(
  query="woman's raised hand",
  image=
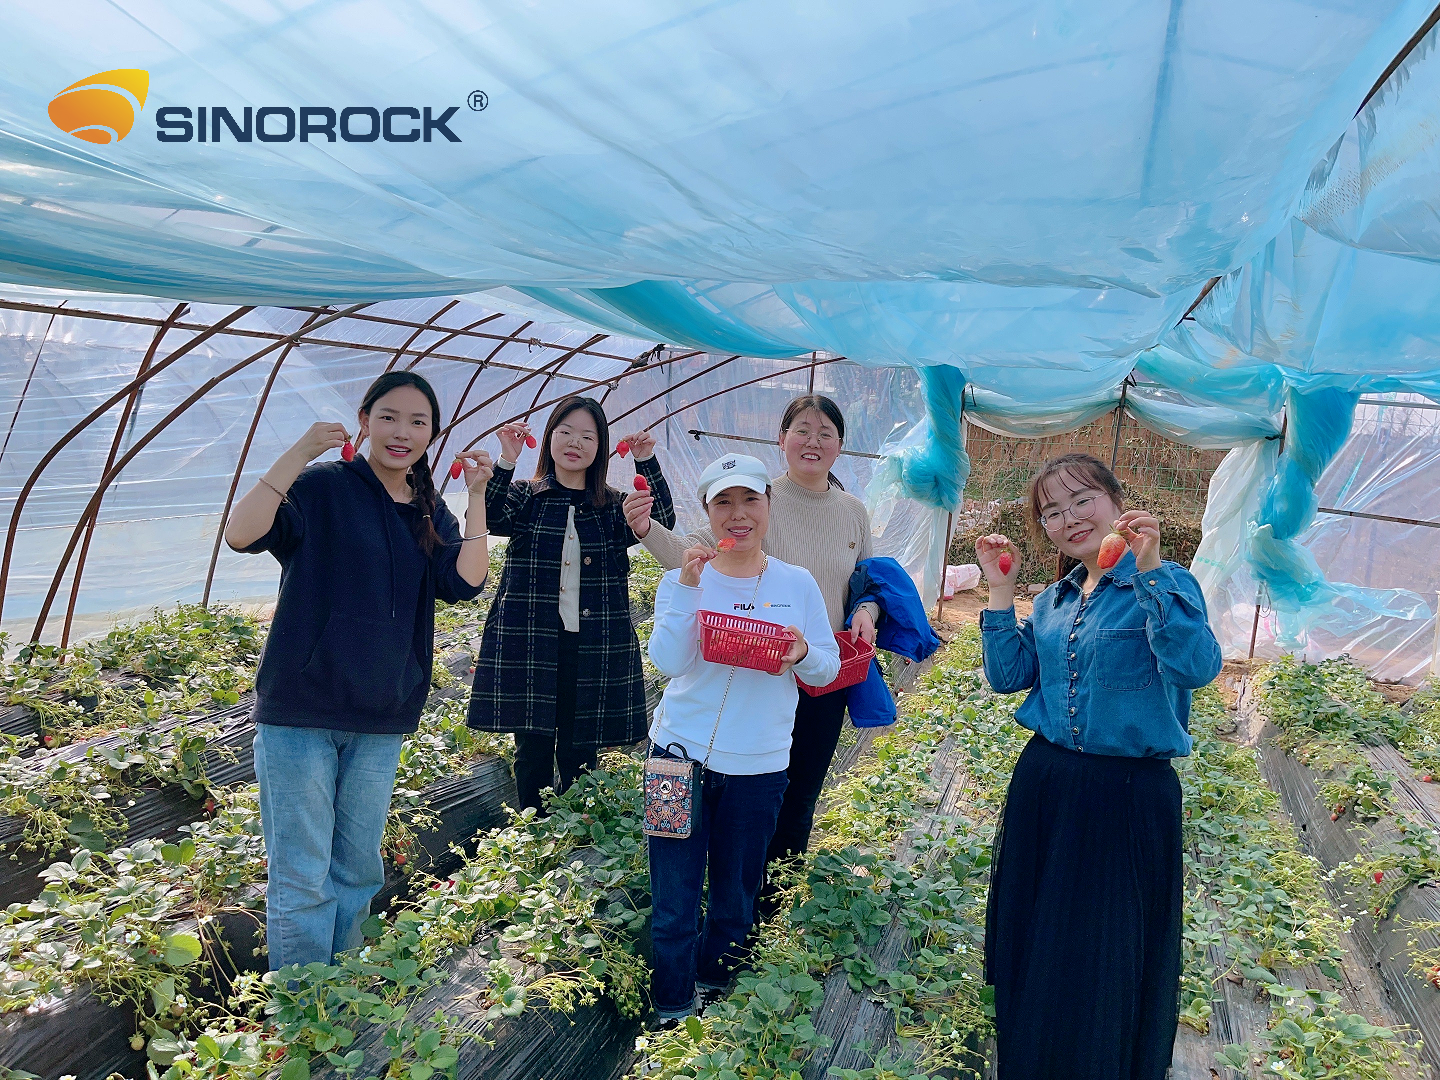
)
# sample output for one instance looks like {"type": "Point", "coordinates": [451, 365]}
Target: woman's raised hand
{"type": "Point", "coordinates": [478, 467]}
{"type": "Point", "coordinates": [797, 651]}
{"type": "Point", "coordinates": [637, 512]}
{"type": "Point", "coordinates": [642, 445]}
{"type": "Point", "coordinates": [512, 440]}
{"type": "Point", "coordinates": [989, 549]}
{"type": "Point", "coordinates": [692, 562]}
{"type": "Point", "coordinates": [1141, 530]}
{"type": "Point", "coordinates": [321, 437]}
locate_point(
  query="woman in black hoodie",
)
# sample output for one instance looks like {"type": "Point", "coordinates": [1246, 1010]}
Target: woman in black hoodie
{"type": "Point", "coordinates": [365, 547]}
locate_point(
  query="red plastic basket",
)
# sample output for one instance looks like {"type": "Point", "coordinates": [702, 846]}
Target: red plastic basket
{"type": "Point", "coordinates": [854, 665]}
{"type": "Point", "coordinates": [747, 643]}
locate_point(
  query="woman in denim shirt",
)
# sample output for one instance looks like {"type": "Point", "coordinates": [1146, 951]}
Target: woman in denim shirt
{"type": "Point", "coordinates": [1086, 886]}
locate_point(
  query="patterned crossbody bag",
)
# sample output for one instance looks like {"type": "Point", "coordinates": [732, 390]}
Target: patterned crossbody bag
{"type": "Point", "coordinates": [672, 784]}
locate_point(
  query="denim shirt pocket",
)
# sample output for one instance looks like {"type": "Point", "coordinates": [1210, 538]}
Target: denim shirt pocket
{"type": "Point", "coordinates": [1124, 660]}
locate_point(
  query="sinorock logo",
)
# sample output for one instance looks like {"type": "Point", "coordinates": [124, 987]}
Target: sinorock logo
{"type": "Point", "coordinates": [102, 108]}
{"type": "Point", "coordinates": [309, 123]}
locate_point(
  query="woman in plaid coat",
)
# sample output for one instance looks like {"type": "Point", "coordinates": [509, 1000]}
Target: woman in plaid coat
{"type": "Point", "coordinates": [559, 661]}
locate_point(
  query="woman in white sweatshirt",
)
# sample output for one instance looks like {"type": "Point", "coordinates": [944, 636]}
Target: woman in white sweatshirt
{"type": "Point", "coordinates": [737, 721]}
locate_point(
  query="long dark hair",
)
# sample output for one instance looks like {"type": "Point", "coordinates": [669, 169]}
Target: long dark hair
{"type": "Point", "coordinates": [422, 482]}
{"type": "Point", "coordinates": [1089, 472]}
{"type": "Point", "coordinates": [597, 492]}
{"type": "Point", "coordinates": [827, 408]}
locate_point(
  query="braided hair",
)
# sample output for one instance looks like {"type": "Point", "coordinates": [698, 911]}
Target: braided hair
{"type": "Point", "coordinates": [422, 481]}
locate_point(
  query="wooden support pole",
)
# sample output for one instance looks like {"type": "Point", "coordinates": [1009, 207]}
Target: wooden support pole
{"type": "Point", "coordinates": [944, 558]}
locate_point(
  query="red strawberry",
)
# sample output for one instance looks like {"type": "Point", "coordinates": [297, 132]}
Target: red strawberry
{"type": "Point", "coordinates": [1111, 548]}
{"type": "Point", "coordinates": [1006, 563]}
{"type": "Point", "coordinates": [726, 543]}
{"type": "Point", "coordinates": [400, 858]}
{"type": "Point", "coordinates": [622, 448]}
{"type": "Point", "coordinates": [1379, 876]}
{"type": "Point", "coordinates": [456, 469]}
{"type": "Point", "coordinates": [1334, 817]}
{"type": "Point", "coordinates": [641, 484]}
{"type": "Point", "coordinates": [49, 740]}
{"type": "Point", "coordinates": [348, 451]}
{"type": "Point", "coordinates": [1427, 778]}
{"type": "Point", "coordinates": [209, 806]}
{"type": "Point", "coordinates": [530, 442]}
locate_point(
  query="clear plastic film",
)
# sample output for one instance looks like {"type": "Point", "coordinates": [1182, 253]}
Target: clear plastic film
{"type": "Point", "coordinates": [663, 141]}
{"type": "Point", "coordinates": [158, 521]}
{"type": "Point", "coordinates": [1373, 582]}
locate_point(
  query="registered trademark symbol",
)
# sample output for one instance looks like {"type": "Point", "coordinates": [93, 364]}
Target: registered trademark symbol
{"type": "Point", "coordinates": [477, 100]}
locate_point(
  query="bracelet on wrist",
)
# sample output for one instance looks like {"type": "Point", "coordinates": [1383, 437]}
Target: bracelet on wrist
{"type": "Point", "coordinates": [477, 536]}
{"type": "Point", "coordinates": [273, 488]}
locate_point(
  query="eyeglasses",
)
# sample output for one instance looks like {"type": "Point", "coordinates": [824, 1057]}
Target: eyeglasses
{"type": "Point", "coordinates": [1081, 510]}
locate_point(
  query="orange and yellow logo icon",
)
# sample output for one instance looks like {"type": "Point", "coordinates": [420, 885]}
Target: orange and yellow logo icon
{"type": "Point", "coordinates": [102, 108]}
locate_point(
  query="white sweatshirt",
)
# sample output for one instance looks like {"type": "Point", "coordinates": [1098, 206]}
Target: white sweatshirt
{"type": "Point", "coordinates": [754, 733]}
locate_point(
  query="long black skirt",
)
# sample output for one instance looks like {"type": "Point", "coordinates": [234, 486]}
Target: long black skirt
{"type": "Point", "coordinates": [1082, 936]}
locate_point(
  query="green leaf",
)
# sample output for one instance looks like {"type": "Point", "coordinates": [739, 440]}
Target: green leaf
{"type": "Point", "coordinates": [180, 949]}
{"type": "Point", "coordinates": [444, 1057]}
{"type": "Point", "coordinates": [296, 1069]}
{"type": "Point", "coordinates": [162, 994]}
{"type": "Point", "coordinates": [420, 1071]}
{"type": "Point", "coordinates": [695, 1029]}
{"type": "Point", "coordinates": [187, 850]}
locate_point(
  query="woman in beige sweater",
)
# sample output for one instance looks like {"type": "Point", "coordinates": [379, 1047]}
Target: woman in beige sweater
{"type": "Point", "coordinates": [816, 524]}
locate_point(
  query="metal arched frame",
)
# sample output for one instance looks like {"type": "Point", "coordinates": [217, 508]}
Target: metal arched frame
{"type": "Point", "coordinates": [131, 404]}
{"type": "Point", "coordinates": [99, 411]}
{"type": "Point", "coordinates": [92, 508]}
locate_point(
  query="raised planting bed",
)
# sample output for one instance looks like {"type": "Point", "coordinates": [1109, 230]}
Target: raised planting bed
{"type": "Point", "coordinates": [1348, 767]}
{"type": "Point", "coordinates": [155, 811]}
{"type": "Point", "coordinates": [74, 1031]}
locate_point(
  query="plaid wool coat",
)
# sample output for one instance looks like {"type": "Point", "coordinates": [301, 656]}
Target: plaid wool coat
{"type": "Point", "coordinates": [514, 687]}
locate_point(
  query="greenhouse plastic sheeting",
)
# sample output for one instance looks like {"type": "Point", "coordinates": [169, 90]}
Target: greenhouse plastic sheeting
{"type": "Point", "coordinates": [1014, 143]}
{"type": "Point", "coordinates": [1376, 187]}
{"type": "Point", "coordinates": [158, 521]}
{"type": "Point", "coordinates": [1387, 466]}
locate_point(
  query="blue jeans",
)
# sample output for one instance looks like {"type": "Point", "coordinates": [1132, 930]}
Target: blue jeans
{"type": "Point", "coordinates": [736, 823]}
{"type": "Point", "coordinates": [324, 796]}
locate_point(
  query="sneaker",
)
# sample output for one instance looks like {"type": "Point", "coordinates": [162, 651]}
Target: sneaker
{"type": "Point", "coordinates": [658, 1025]}
{"type": "Point", "coordinates": [709, 995]}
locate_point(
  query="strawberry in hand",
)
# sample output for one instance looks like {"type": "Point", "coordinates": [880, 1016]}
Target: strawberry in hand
{"type": "Point", "coordinates": [1112, 548]}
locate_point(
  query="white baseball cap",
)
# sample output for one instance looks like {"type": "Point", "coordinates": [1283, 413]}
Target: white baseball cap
{"type": "Point", "coordinates": [733, 470]}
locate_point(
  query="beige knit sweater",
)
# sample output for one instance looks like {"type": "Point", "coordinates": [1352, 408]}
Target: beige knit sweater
{"type": "Point", "coordinates": [825, 532]}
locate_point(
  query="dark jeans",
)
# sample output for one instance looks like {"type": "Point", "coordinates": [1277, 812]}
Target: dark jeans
{"type": "Point", "coordinates": [735, 824]}
{"type": "Point", "coordinates": [540, 754]}
{"type": "Point", "coordinates": [817, 729]}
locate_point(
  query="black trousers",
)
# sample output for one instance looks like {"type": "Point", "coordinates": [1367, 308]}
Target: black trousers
{"type": "Point", "coordinates": [817, 729]}
{"type": "Point", "coordinates": [539, 755]}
